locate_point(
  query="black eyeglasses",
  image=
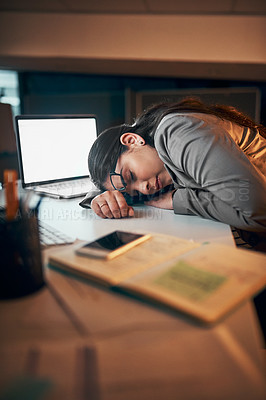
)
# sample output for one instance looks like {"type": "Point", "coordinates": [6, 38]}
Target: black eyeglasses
{"type": "Point", "coordinates": [117, 181]}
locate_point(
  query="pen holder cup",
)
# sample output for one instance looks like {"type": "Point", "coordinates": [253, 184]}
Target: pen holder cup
{"type": "Point", "coordinates": [21, 270]}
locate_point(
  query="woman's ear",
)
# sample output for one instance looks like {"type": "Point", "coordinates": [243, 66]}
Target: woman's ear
{"type": "Point", "coordinates": [129, 139]}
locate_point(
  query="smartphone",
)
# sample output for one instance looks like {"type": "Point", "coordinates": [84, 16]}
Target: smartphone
{"type": "Point", "coordinates": [112, 245]}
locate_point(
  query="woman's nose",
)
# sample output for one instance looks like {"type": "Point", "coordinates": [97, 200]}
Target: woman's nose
{"type": "Point", "coordinates": [144, 187]}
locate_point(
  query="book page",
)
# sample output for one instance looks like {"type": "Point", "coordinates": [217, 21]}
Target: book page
{"type": "Point", "coordinates": [158, 249]}
{"type": "Point", "coordinates": [190, 282]}
{"type": "Point", "coordinates": [205, 283]}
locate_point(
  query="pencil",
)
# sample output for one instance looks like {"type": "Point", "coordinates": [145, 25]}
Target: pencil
{"type": "Point", "coordinates": [11, 194]}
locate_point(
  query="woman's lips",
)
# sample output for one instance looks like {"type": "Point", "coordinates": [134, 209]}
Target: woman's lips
{"type": "Point", "coordinates": [158, 183]}
{"type": "Point", "coordinates": [157, 186]}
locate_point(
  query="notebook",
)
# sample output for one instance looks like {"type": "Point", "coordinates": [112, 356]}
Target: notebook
{"type": "Point", "coordinates": [205, 281]}
{"type": "Point", "coordinates": [53, 153]}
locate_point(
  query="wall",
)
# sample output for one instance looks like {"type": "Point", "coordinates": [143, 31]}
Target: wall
{"type": "Point", "coordinates": [220, 47]}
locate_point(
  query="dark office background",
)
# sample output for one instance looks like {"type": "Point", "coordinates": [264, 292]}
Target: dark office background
{"type": "Point", "coordinates": [113, 98]}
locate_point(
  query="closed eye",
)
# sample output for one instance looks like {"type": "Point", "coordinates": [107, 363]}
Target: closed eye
{"type": "Point", "coordinates": [130, 180]}
{"type": "Point", "coordinates": [132, 176]}
{"type": "Point", "coordinates": [129, 177]}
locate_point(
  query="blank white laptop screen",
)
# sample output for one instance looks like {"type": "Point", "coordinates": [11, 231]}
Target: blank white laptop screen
{"type": "Point", "coordinates": [54, 149]}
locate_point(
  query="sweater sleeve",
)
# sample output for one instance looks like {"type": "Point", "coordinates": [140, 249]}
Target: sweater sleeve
{"type": "Point", "coordinates": [215, 179]}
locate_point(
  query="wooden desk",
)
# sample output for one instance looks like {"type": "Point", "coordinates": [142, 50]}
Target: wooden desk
{"type": "Point", "coordinates": [76, 340]}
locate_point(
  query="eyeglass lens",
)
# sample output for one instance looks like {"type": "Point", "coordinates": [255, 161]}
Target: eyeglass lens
{"type": "Point", "coordinates": [117, 182]}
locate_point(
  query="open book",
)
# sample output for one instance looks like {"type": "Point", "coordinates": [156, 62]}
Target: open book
{"type": "Point", "coordinates": [205, 281]}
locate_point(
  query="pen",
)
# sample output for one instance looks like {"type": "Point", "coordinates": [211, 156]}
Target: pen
{"type": "Point", "coordinates": [11, 194]}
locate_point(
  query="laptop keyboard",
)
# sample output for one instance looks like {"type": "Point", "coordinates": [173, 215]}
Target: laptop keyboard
{"type": "Point", "coordinates": [69, 189]}
{"type": "Point", "coordinates": [50, 236]}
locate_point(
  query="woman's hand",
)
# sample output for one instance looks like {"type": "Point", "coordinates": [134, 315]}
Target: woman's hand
{"type": "Point", "coordinates": [111, 204]}
{"type": "Point", "coordinates": [163, 201]}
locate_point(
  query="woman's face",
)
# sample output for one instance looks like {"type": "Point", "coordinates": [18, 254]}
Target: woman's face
{"type": "Point", "coordinates": [141, 168]}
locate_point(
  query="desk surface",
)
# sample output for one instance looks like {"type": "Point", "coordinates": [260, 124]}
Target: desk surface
{"type": "Point", "coordinates": [76, 340]}
{"type": "Point", "coordinates": [84, 224]}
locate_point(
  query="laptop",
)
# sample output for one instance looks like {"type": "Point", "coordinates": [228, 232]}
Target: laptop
{"type": "Point", "coordinates": [53, 153]}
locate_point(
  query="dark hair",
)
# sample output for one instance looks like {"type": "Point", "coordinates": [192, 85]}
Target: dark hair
{"type": "Point", "coordinates": [105, 152]}
{"type": "Point", "coordinates": [107, 148]}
